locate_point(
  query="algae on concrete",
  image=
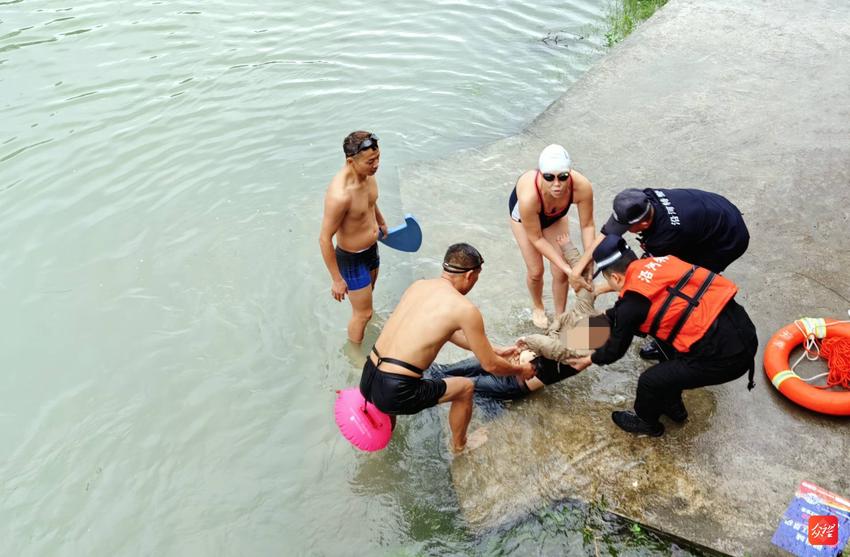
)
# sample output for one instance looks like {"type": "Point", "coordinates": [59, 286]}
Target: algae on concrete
{"type": "Point", "coordinates": [624, 15]}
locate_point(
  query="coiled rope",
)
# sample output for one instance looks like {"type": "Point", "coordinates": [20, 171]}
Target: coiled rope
{"type": "Point", "coordinates": [836, 352]}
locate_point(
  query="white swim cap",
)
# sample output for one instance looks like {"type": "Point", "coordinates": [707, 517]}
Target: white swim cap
{"type": "Point", "coordinates": [553, 160]}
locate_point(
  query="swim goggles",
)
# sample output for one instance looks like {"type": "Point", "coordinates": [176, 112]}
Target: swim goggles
{"type": "Point", "coordinates": [449, 268]}
{"type": "Point", "coordinates": [370, 142]}
{"type": "Point", "coordinates": [562, 177]}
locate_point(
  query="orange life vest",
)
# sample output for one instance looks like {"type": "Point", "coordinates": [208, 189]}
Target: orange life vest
{"type": "Point", "coordinates": [685, 299]}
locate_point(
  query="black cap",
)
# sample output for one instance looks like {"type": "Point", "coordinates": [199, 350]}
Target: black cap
{"type": "Point", "coordinates": [610, 250]}
{"type": "Point", "coordinates": [630, 206]}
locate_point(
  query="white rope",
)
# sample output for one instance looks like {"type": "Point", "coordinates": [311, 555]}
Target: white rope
{"type": "Point", "coordinates": [811, 344]}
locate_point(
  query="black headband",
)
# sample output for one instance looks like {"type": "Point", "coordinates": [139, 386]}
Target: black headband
{"type": "Point", "coordinates": [449, 268]}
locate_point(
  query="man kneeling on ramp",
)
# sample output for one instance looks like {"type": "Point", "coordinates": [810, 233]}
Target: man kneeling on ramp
{"type": "Point", "coordinates": [430, 313]}
{"type": "Point", "coordinates": [691, 312]}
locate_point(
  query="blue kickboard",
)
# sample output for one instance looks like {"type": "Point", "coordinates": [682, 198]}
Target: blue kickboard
{"type": "Point", "coordinates": [404, 237]}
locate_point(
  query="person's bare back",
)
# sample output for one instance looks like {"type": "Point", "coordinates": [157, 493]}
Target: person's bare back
{"type": "Point", "coordinates": [425, 318]}
{"type": "Point", "coordinates": [430, 313]}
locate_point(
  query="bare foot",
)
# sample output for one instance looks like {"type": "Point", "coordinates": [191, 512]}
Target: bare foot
{"type": "Point", "coordinates": [538, 317]}
{"type": "Point", "coordinates": [473, 441]}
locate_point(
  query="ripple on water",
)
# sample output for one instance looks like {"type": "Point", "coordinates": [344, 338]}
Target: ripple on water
{"type": "Point", "coordinates": [168, 319]}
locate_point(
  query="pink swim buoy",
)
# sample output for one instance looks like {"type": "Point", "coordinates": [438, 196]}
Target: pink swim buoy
{"type": "Point", "coordinates": [365, 426]}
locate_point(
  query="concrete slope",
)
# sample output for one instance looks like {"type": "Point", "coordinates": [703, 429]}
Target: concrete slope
{"type": "Point", "coordinates": [748, 99]}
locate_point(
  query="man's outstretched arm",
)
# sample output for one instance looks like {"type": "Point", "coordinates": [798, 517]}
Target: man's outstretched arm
{"type": "Point", "coordinates": [459, 339]}
{"type": "Point", "coordinates": [472, 325]}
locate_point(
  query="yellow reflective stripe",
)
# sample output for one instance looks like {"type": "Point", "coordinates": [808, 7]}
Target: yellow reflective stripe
{"type": "Point", "coordinates": [814, 326]}
{"type": "Point", "coordinates": [780, 377]}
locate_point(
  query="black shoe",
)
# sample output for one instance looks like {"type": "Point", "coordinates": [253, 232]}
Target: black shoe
{"type": "Point", "coordinates": [677, 412]}
{"type": "Point", "coordinates": [631, 422]}
{"type": "Point", "coordinates": [650, 351]}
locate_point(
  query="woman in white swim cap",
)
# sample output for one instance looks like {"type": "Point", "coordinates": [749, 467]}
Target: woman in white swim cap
{"type": "Point", "coordinates": [538, 204]}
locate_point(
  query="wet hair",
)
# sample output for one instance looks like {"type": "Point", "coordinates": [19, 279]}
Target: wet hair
{"type": "Point", "coordinates": [352, 141]}
{"type": "Point", "coordinates": [461, 258]}
{"type": "Point", "coordinates": [620, 265]}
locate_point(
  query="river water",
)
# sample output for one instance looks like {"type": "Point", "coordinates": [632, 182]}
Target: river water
{"type": "Point", "coordinates": [169, 347]}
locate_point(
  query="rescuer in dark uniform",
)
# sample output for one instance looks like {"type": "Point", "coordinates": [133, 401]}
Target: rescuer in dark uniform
{"type": "Point", "coordinates": [692, 314]}
{"type": "Point", "coordinates": [700, 227]}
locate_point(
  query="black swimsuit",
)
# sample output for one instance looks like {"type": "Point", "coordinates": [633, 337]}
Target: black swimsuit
{"type": "Point", "coordinates": [545, 220]}
{"type": "Point", "coordinates": [398, 394]}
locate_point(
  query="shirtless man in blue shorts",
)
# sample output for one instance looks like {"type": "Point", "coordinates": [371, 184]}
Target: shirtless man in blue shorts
{"type": "Point", "coordinates": [352, 215]}
{"type": "Point", "coordinates": [431, 313]}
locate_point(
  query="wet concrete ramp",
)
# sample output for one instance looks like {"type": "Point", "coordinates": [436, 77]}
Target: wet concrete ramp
{"type": "Point", "coordinates": [751, 100]}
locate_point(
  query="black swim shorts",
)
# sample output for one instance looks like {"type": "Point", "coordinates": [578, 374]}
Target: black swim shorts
{"type": "Point", "coordinates": [396, 394]}
{"type": "Point", "coordinates": [355, 268]}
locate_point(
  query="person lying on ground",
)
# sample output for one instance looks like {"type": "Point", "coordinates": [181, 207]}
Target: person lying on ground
{"type": "Point", "coordinates": [502, 387]}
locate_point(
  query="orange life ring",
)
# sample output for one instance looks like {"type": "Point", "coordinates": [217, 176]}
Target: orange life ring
{"type": "Point", "coordinates": [778, 370]}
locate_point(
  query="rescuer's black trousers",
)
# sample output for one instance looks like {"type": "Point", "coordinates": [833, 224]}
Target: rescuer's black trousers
{"type": "Point", "coordinates": [726, 352]}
